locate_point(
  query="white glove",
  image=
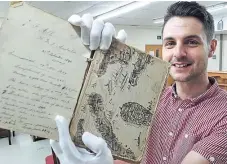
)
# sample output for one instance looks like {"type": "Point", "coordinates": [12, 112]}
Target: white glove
{"type": "Point", "coordinates": [68, 153]}
{"type": "Point", "coordinates": [96, 33]}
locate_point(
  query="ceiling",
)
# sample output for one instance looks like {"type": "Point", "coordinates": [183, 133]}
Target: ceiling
{"type": "Point", "coordinates": [145, 15]}
{"type": "Point", "coordinates": [139, 17]}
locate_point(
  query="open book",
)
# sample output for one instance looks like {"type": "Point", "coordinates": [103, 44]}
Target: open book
{"type": "Point", "coordinates": [45, 72]}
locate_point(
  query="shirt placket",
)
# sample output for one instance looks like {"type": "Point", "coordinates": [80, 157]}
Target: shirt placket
{"type": "Point", "coordinates": [171, 133]}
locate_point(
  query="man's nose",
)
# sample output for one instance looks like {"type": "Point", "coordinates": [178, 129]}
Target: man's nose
{"type": "Point", "coordinates": [179, 51]}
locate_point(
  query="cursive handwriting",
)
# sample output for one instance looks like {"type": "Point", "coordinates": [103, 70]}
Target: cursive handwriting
{"type": "Point", "coordinates": [55, 45]}
{"type": "Point", "coordinates": [38, 81]}
{"type": "Point", "coordinates": [12, 53]}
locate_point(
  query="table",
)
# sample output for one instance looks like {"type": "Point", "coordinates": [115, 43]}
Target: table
{"type": "Point", "coordinates": [30, 153]}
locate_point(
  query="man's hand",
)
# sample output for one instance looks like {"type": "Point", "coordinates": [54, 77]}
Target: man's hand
{"type": "Point", "coordinates": [95, 33]}
{"type": "Point", "coordinates": [195, 158]}
{"type": "Point", "coordinates": [68, 153]}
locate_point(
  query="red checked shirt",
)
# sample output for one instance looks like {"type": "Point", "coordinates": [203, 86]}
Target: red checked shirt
{"type": "Point", "coordinates": [181, 126]}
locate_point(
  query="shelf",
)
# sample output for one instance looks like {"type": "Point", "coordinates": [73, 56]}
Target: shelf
{"type": "Point", "coordinates": [221, 32]}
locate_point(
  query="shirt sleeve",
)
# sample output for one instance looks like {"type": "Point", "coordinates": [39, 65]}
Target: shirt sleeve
{"type": "Point", "coordinates": [214, 146]}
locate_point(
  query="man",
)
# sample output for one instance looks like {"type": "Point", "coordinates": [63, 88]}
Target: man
{"type": "Point", "coordinates": [190, 125]}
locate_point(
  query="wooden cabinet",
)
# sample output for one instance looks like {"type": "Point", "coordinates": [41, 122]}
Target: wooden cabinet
{"type": "Point", "coordinates": [221, 78]}
{"type": "Point", "coordinates": [157, 51]}
{"type": "Point", "coordinates": [154, 49]}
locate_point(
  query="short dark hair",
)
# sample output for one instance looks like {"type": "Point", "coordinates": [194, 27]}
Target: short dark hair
{"type": "Point", "coordinates": [192, 9]}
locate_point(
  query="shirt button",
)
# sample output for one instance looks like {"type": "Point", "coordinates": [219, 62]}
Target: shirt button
{"type": "Point", "coordinates": [186, 135]}
{"type": "Point", "coordinates": [180, 109]}
{"type": "Point", "coordinates": [170, 133]}
{"type": "Point", "coordinates": [212, 159]}
{"type": "Point", "coordinates": [164, 158]}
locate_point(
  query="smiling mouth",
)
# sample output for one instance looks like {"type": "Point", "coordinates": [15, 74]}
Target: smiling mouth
{"type": "Point", "coordinates": [181, 65]}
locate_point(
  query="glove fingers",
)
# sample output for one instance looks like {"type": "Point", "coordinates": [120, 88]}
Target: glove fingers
{"type": "Point", "coordinates": [65, 141]}
{"type": "Point", "coordinates": [84, 151]}
{"type": "Point", "coordinates": [57, 150]}
{"type": "Point", "coordinates": [55, 146]}
{"type": "Point", "coordinates": [86, 25]}
{"type": "Point", "coordinates": [107, 34]}
{"type": "Point", "coordinates": [94, 143]}
{"type": "Point", "coordinates": [96, 33]}
{"type": "Point", "coordinates": [87, 20]}
{"type": "Point", "coordinates": [75, 20]}
{"type": "Point", "coordinates": [122, 36]}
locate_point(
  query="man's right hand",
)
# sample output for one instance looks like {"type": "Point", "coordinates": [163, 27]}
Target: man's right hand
{"type": "Point", "coordinates": [95, 33]}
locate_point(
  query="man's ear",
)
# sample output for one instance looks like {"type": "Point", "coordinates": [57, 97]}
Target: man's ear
{"type": "Point", "coordinates": [212, 48]}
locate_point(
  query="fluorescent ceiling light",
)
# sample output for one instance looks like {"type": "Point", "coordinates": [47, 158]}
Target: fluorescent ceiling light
{"type": "Point", "coordinates": [216, 8]}
{"type": "Point", "coordinates": [124, 9]}
{"type": "Point", "coordinates": [158, 20]}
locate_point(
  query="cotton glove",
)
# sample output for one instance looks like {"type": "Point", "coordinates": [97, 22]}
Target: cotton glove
{"type": "Point", "coordinates": [95, 33]}
{"type": "Point", "coordinates": [68, 153]}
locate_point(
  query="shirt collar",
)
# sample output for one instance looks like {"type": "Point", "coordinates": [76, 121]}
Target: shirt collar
{"type": "Point", "coordinates": [209, 92]}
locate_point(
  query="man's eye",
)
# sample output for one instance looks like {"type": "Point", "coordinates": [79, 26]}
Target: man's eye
{"type": "Point", "coordinates": [192, 42]}
{"type": "Point", "coordinates": [169, 44]}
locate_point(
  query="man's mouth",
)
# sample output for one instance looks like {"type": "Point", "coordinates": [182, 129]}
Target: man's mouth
{"type": "Point", "coordinates": [181, 65]}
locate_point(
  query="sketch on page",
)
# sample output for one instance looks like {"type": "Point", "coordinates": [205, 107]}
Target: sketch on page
{"type": "Point", "coordinates": [119, 98]}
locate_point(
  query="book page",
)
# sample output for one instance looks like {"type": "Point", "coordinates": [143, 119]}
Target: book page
{"type": "Point", "coordinates": [42, 71]}
{"type": "Point", "coordinates": [119, 99]}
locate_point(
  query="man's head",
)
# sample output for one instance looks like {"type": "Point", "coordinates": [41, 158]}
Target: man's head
{"type": "Point", "coordinates": [188, 40]}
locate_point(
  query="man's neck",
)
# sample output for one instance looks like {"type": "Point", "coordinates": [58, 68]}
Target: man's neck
{"type": "Point", "coordinates": [193, 88]}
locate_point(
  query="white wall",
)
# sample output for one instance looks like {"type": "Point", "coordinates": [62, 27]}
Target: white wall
{"type": "Point", "coordinates": [138, 37]}
{"type": "Point", "coordinates": [224, 56]}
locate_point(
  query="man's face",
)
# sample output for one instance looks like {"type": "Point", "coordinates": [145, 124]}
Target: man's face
{"type": "Point", "coordinates": [185, 47]}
